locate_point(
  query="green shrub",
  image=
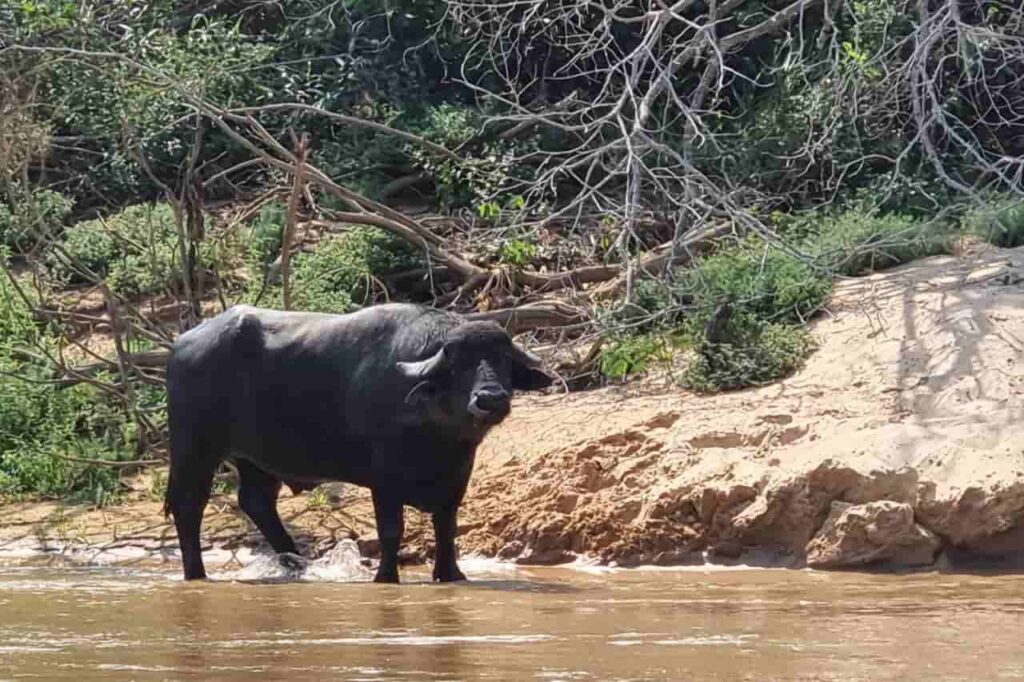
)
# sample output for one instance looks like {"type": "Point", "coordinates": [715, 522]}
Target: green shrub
{"type": "Point", "coordinates": [266, 235]}
{"type": "Point", "coordinates": [135, 251]}
{"type": "Point", "coordinates": [449, 125]}
{"type": "Point", "coordinates": [41, 212]}
{"type": "Point", "coordinates": [139, 238]}
{"type": "Point", "coordinates": [41, 425]}
{"type": "Point", "coordinates": [632, 355]}
{"type": "Point", "coordinates": [92, 247]}
{"type": "Point", "coordinates": [769, 294]}
{"type": "Point", "coordinates": [145, 273]}
{"type": "Point", "coordinates": [17, 324]}
{"type": "Point", "coordinates": [857, 242]}
{"type": "Point", "coordinates": [517, 252]}
{"type": "Point", "coordinates": [1000, 223]}
{"type": "Point", "coordinates": [758, 353]}
{"type": "Point", "coordinates": [759, 278]}
{"type": "Point", "coordinates": [337, 276]}
{"type": "Point", "coordinates": [655, 306]}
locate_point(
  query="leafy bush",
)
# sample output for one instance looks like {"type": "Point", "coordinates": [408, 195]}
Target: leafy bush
{"type": "Point", "coordinates": [759, 278]}
{"type": "Point", "coordinates": [517, 252]}
{"type": "Point", "coordinates": [857, 242]}
{"type": "Point", "coordinates": [196, 52]}
{"type": "Point", "coordinates": [768, 294]}
{"type": "Point", "coordinates": [632, 355]}
{"type": "Point", "coordinates": [655, 306]}
{"type": "Point", "coordinates": [337, 276]}
{"type": "Point", "coordinates": [759, 353]}
{"type": "Point", "coordinates": [1000, 223]}
{"type": "Point", "coordinates": [40, 425]}
{"type": "Point", "coordinates": [90, 246]}
{"type": "Point", "coordinates": [449, 125]}
{"type": "Point", "coordinates": [267, 234]}
{"type": "Point", "coordinates": [41, 212]}
{"type": "Point", "coordinates": [135, 251]}
{"type": "Point", "coordinates": [482, 178]}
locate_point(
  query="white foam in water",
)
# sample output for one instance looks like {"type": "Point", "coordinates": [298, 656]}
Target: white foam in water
{"type": "Point", "coordinates": [342, 564]}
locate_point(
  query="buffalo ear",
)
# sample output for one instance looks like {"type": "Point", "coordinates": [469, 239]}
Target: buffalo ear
{"type": "Point", "coordinates": [424, 369]}
{"type": "Point", "coordinates": [526, 372]}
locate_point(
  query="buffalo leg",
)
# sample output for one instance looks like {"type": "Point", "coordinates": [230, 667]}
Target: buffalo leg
{"type": "Point", "coordinates": [188, 491]}
{"type": "Point", "coordinates": [445, 567]}
{"type": "Point", "coordinates": [257, 496]}
{"type": "Point", "coordinates": [390, 527]}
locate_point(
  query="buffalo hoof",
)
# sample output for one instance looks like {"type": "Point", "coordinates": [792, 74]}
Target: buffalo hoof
{"type": "Point", "coordinates": [293, 563]}
{"type": "Point", "coordinates": [449, 576]}
{"type": "Point", "coordinates": [386, 577]}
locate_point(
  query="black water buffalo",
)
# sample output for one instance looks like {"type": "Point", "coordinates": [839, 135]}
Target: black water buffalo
{"type": "Point", "coordinates": [395, 398]}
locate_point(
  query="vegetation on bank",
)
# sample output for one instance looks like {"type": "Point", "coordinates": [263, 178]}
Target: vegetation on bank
{"type": "Point", "coordinates": [476, 157]}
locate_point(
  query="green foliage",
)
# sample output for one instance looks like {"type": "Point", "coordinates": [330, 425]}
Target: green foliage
{"type": "Point", "coordinates": [266, 234]}
{"type": "Point", "coordinates": [135, 251]}
{"type": "Point", "coordinates": [488, 210]}
{"type": "Point", "coordinates": [34, 17]}
{"type": "Point", "coordinates": [338, 276]}
{"type": "Point", "coordinates": [449, 125]}
{"type": "Point", "coordinates": [485, 169]}
{"type": "Point", "coordinates": [517, 252]}
{"type": "Point", "coordinates": [34, 214]}
{"type": "Point", "coordinates": [760, 279]}
{"type": "Point", "coordinates": [769, 293]}
{"type": "Point", "coordinates": [318, 499]}
{"type": "Point", "coordinates": [41, 425]}
{"type": "Point", "coordinates": [91, 247]}
{"type": "Point", "coordinates": [760, 353]}
{"type": "Point", "coordinates": [211, 57]}
{"type": "Point", "coordinates": [1000, 223]}
{"type": "Point", "coordinates": [655, 306]}
{"type": "Point", "coordinates": [632, 355]}
{"type": "Point", "coordinates": [857, 242]}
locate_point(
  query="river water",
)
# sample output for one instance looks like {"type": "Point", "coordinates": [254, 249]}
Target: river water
{"type": "Point", "coordinates": [75, 623]}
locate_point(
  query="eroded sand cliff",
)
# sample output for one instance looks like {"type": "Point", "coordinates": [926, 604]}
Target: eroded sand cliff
{"type": "Point", "coordinates": [914, 398]}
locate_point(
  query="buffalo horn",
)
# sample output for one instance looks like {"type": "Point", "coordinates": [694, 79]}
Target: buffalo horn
{"type": "Point", "coordinates": [424, 368]}
{"type": "Point", "coordinates": [524, 357]}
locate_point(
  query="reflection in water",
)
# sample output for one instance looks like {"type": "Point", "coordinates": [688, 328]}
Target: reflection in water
{"type": "Point", "coordinates": [446, 621]}
{"type": "Point", "coordinates": [191, 619]}
{"type": "Point", "coordinates": [542, 624]}
{"type": "Point", "coordinates": [388, 617]}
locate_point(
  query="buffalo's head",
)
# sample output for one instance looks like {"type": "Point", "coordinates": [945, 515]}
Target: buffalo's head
{"type": "Point", "coordinates": [474, 373]}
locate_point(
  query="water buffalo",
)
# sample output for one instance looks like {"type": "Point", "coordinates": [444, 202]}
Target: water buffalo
{"type": "Point", "coordinates": [394, 397]}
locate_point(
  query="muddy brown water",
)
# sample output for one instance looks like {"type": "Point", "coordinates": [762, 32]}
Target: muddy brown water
{"type": "Point", "coordinates": [74, 623]}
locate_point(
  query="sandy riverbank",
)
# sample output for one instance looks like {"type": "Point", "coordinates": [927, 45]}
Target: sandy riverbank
{"type": "Point", "coordinates": [901, 443]}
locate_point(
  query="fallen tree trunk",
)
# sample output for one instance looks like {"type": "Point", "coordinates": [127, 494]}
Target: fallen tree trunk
{"type": "Point", "coordinates": [531, 316]}
{"type": "Point", "coordinates": [658, 260]}
{"type": "Point", "coordinates": [153, 359]}
{"type": "Point", "coordinates": [653, 263]}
